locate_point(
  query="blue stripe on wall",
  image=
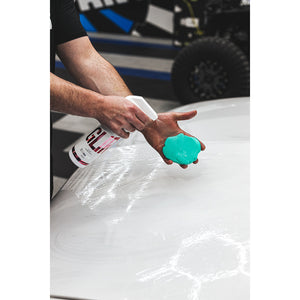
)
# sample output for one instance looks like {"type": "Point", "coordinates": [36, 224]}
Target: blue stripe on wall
{"type": "Point", "coordinates": [59, 65]}
{"type": "Point", "coordinates": [132, 43]}
{"type": "Point", "coordinates": [133, 72]}
{"type": "Point", "coordinates": [122, 22]}
{"type": "Point", "coordinates": [144, 73]}
{"type": "Point", "coordinates": [87, 25]}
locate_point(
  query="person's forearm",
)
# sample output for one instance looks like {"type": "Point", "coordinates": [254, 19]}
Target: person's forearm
{"type": "Point", "coordinates": [90, 69]}
{"type": "Point", "coordinates": [115, 112]}
{"type": "Point", "coordinates": [103, 92]}
{"type": "Point", "coordinates": [100, 76]}
{"type": "Point", "coordinates": [69, 98]}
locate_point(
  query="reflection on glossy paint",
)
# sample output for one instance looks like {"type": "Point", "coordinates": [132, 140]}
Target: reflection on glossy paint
{"type": "Point", "coordinates": [138, 195]}
{"type": "Point", "coordinates": [119, 181]}
{"type": "Point", "coordinates": [184, 233]}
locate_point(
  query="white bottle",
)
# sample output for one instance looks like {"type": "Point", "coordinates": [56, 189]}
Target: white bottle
{"type": "Point", "coordinates": [101, 138]}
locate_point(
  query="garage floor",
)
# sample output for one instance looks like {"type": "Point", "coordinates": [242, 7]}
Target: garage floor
{"type": "Point", "coordinates": [144, 64]}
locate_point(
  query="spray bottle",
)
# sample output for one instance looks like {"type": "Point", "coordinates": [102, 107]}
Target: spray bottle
{"type": "Point", "coordinates": [101, 138]}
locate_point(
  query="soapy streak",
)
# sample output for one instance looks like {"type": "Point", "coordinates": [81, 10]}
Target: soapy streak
{"type": "Point", "coordinates": [92, 198]}
{"type": "Point", "coordinates": [110, 193]}
{"type": "Point", "coordinates": [172, 268]}
{"type": "Point", "coordinates": [90, 188]}
{"type": "Point", "coordinates": [138, 194]}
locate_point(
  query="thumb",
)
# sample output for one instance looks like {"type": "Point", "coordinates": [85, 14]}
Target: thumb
{"type": "Point", "coordinates": [179, 116]}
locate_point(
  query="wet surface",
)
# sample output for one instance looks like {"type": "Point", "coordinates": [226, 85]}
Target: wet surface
{"type": "Point", "coordinates": [132, 227]}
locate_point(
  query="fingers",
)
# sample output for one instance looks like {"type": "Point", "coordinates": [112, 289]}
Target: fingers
{"type": "Point", "coordinates": [142, 117]}
{"type": "Point", "coordinates": [117, 129]}
{"type": "Point", "coordinates": [183, 166]}
{"type": "Point", "coordinates": [123, 134]}
{"type": "Point", "coordinates": [128, 127]}
{"type": "Point", "coordinates": [203, 147]}
{"type": "Point", "coordinates": [168, 161]}
{"type": "Point", "coordinates": [137, 124]}
{"type": "Point", "coordinates": [137, 117]}
{"type": "Point", "coordinates": [180, 116]}
{"type": "Point", "coordinates": [123, 130]}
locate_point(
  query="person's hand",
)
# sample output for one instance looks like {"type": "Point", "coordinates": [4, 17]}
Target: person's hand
{"type": "Point", "coordinates": [165, 126]}
{"type": "Point", "coordinates": [120, 115]}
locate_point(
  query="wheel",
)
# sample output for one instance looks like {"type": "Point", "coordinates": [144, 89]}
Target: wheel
{"type": "Point", "coordinates": [210, 68]}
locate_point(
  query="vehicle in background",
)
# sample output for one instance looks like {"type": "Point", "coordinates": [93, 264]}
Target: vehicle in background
{"type": "Point", "coordinates": [215, 40]}
{"type": "Point", "coordinates": [212, 37]}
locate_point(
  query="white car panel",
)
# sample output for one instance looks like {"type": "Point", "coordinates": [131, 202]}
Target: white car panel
{"type": "Point", "coordinates": [130, 227]}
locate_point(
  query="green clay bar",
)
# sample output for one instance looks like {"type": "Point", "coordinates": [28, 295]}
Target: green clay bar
{"type": "Point", "coordinates": [182, 149]}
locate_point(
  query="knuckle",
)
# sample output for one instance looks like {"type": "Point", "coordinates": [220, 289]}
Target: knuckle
{"type": "Point", "coordinates": [120, 133]}
{"type": "Point", "coordinates": [131, 107]}
{"type": "Point", "coordinates": [114, 127]}
{"type": "Point", "coordinates": [126, 125]}
{"type": "Point", "coordinates": [130, 117]}
{"type": "Point", "coordinates": [141, 127]}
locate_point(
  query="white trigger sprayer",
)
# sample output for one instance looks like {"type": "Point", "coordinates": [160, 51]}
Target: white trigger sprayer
{"type": "Point", "coordinates": [101, 138]}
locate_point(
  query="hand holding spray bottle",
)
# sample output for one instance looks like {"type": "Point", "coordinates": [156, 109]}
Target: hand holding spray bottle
{"type": "Point", "coordinates": [101, 138]}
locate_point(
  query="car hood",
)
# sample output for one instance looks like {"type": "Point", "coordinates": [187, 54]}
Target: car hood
{"type": "Point", "coordinates": [131, 227]}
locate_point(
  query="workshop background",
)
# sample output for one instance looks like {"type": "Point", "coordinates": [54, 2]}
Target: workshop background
{"type": "Point", "coordinates": [171, 52]}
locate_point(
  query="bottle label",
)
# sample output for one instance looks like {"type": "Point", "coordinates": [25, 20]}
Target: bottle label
{"type": "Point", "coordinates": [102, 138]}
{"type": "Point", "coordinates": [94, 144]}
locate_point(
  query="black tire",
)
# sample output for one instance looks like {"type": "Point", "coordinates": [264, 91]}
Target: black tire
{"type": "Point", "coordinates": [210, 68]}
